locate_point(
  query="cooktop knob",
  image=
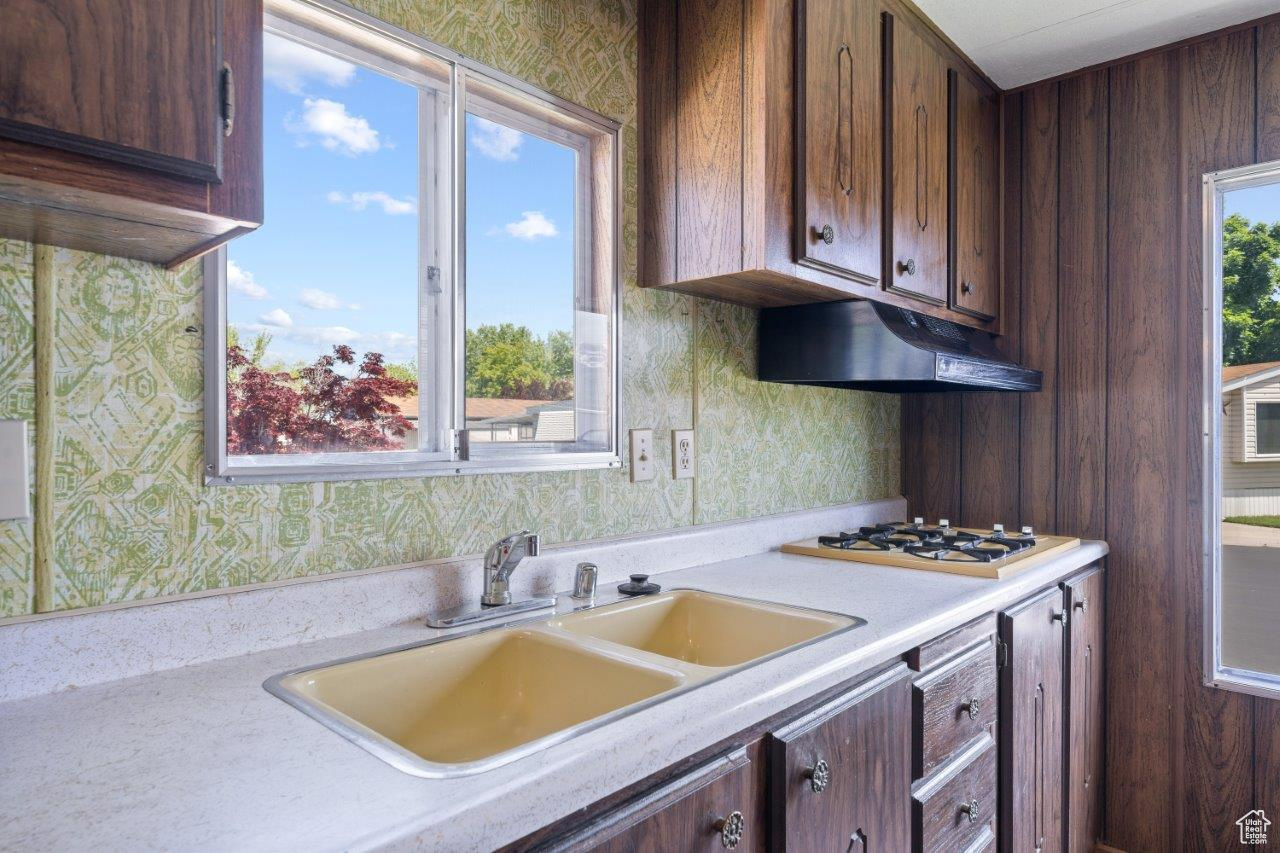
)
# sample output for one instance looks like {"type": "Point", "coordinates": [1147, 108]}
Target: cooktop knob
{"type": "Point", "coordinates": [997, 529]}
{"type": "Point", "coordinates": [1027, 530]}
{"type": "Point", "coordinates": [918, 521]}
{"type": "Point", "coordinates": [944, 523]}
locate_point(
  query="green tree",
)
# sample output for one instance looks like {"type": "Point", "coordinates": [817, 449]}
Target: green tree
{"type": "Point", "coordinates": [509, 361]}
{"type": "Point", "coordinates": [404, 371]}
{"type": "Point", "coordinates": [1250, 290]}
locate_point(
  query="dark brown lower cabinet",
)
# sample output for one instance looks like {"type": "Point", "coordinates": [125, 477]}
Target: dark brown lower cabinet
{"type": "Point", "coordinates": [713, 807]}
{"type": "Point", "coordinates": [840, 776]}
{"type": "Point", "coordinates": [1031, 724]}
{"type": "Point", "coordinates": [1083, 599]}
{"type": "Point", "coordinates": [989, 736]}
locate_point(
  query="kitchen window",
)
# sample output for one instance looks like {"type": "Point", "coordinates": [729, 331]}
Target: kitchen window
{"type": "Point", "coordinates": [1242, 429]}
{"type": "Point", "coordinates": [434, 288]}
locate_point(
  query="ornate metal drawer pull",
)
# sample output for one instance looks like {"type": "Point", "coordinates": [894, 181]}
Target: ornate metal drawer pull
{"type": "Point", "coordinates": [908, 266]}
{"type": "Point", "coordinates": [971, 708]}
{"type": "Point", "coordinates": [819, 776]}
{"type": "Point", "coordinates": [970, 810]}
{"type": "Point", "coordinates": [1083, 605]}
{"type": "Point", "coordinates": [826, 234]}
{"type": "Point", "coordinates": [731, 828]}
{"type": "Point", "coordinates": [1060, 616]}
{"type": "Point", "coordinates": [966, 287]}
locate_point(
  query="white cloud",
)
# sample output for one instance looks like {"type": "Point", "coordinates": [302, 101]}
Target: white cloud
{"type": "Point", "coordinates": [291, 65]}
{"type": "Point", "coordinates": [335, 129]}
{"type": "Point", "coordinates": [322, 300]}
{"type": "Point", "coordinates": [496, 141]}
{"type": "Point", "coordinates": [531, 225]}
{"type": "Point", "coordinates": [318, 340]}
{"type": "Point", "coordinates": [390, 205]}
{"type": "Point", "coordinates": [241, 281]}
{"type": "Point", "coordinates": [277, 317]}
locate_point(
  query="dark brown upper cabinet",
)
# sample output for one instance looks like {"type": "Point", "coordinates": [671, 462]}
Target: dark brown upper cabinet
{"type": "Point", "coordinates": [763, 152]}
{"type": "Point", "coordinates": [974, 205]}
{"type": "Point", "coordinates": [915, 117]}
{"type": "Point", "coordinates": [838, 139]}
{"type": "Point", "coordinates": [131, 127]}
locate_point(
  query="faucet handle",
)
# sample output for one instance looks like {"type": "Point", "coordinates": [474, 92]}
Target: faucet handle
{"type": "Point", "coordinates": [532, 544]}
{"type": "Point", "coordinates": [584, 581]}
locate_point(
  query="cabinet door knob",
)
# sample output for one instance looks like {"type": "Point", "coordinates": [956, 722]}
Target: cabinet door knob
{"type": "Point", "coordinates": [1060, 616]}
{"type": "Point", "coordinates": [819, 776]}
{"type": "Point", "coordinates": [908, 266]}
{"type": "Point", "coordinates": [970, 810]}
{"type": "Point", "coordinates": [971, 708]}
{"type": "Point", "coordinates": [731, 828]}
{"type": "Point", "coordinates": [966, 287]}
{"type": "Point", "coordinates": [1083, 605]}
{"type": "Point", "coordinates": [826, 234]}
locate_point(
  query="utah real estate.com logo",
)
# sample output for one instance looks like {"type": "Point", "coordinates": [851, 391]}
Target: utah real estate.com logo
{"type": "Point", "coordinates": [1253, 827]}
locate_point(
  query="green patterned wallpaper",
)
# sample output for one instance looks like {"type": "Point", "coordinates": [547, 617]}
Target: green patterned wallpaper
{"type": "Point", "coordinates": [134, 521]}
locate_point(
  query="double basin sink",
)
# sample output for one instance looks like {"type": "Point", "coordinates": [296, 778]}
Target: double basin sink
{"type": "Point", "coordinates": [451, 707]}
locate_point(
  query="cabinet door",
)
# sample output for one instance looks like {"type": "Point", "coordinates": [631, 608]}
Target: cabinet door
{"type": "Point", "coordinates": [838, 138]}
{"type": "Point", "coordinates": [975, 276]}
{"type": "Point", "coordinates": [713, 807]}
{"type": "Point", "coordinates": [916, 158]}
{"type": "Point", "coordinates": [1083, 598]}
{"type": "Point", "coordinates": [840, 776]}
{"type": "Point", "coordinates": [1031, 731]}
{"type": "Point", "coordinates": [137, 82]}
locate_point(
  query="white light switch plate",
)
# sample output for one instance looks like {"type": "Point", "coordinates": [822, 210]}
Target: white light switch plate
{"type": "Point", "coordinates": [684, 458]}
{"type": "Point", "coordinates": [641, 455]}
{"type": "Point", "coordinates": [15, 488]}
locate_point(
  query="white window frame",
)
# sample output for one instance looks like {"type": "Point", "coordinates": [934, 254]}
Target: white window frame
{"type": "Point", "coordinates": [1255, 415]}
{"type": "Point", "coordinates": [1215, 186]}
{"type": "Point", "coordinates": [351, 34]}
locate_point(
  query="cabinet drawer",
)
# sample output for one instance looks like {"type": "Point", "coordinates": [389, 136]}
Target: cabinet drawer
{"type": "Point", "coordinates": [929, 655]}
{"type": "Point", "coordinates": [956, 808]}
{"type": "Point", "coordinates": [954, 704]}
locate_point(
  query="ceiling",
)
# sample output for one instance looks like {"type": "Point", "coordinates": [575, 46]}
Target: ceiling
{"type": "Point", "coordinates": [1021, 41]}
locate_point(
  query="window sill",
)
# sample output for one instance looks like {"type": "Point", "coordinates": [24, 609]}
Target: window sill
{"type": "Point", "coordinates": [320, 473]}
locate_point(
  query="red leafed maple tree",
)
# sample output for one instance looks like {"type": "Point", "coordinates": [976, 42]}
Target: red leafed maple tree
{"type": "Point", "coordinates": [320, 410]}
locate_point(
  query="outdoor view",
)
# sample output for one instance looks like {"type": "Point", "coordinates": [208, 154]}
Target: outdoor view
{"type": "Point", "coordinates": [1251, 429]}
{"type": "Point", "coordinates": [324, 336]}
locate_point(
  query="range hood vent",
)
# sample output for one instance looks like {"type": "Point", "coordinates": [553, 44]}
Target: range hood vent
{"type": "Point", "coordinates": [874, 347]}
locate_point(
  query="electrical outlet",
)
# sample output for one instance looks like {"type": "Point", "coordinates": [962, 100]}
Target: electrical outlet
{"type": "Point", "coordinates": [641, 455]}
{"type": "Point", "coordinates": [683, 458]}
{"type": "Point", "coordinates": [14, 485]}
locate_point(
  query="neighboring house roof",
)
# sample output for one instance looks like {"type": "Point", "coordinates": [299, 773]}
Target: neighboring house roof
{"type": "Point", "coordinates": [478, 408]}
{"type": "Point", "coordinates": [1240, 375]}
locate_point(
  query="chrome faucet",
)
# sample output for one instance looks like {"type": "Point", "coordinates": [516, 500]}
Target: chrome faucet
{"type": "Point", "coordinates": [501, 560]}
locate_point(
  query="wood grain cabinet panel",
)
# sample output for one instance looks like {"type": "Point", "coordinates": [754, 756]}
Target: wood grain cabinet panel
{"type": "Point", "coordinates": [136, 81]}
{"type": "Point", "coordinates": [118, 132]}
{"type": "Point", "coordinates": [840, 776]}
{"type": "Point", "coordinates": [838, 138]}
{"type": "Point", "coordinates": [1083, 597]}
{"type": "Point", "coordinates": [1031, 724]}
{"type": "Point", "coordinates": [973, 195]}
{"type": "Point", "coordinates": [915, 108]}
{"type": "Point", "coordinates": [706, 809]}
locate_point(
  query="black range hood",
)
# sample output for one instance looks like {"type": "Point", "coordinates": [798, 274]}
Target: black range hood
{"type": "Point", "coordinates": [875, 347]}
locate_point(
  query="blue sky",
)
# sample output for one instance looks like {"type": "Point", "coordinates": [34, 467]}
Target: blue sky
{"type": "Point", "coordinates": [1258, 204]}
{"type": "Point", "coordinates": [336, 258]}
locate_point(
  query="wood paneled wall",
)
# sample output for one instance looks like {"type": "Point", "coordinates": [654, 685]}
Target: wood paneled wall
{"type": "Point", "coordinates": [1102, 255]}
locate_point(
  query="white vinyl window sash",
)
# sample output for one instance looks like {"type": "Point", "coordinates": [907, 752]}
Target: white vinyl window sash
{"type": "Point", "coordinates": [449, 87]}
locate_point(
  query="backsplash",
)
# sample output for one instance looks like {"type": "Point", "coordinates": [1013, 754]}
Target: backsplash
{"type": "Point", "coordinates": [133, 520]}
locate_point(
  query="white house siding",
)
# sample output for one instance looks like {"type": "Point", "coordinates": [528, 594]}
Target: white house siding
{"type": "Point", "coordinates": [1248, 487]}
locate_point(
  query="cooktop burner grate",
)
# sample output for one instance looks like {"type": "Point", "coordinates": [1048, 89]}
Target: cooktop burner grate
{"type": "Point", "coordinates": [936, 543]}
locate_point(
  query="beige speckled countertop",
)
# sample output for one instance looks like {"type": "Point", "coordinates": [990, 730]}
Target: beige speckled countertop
{"type": "Point", "coordinates": [202, 758]}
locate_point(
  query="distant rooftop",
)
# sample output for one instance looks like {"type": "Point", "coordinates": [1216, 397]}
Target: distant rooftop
{"type": "Point", "coordinates": [1243, 371]}
{"type": "Point", "coordinates": [478, 408]}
